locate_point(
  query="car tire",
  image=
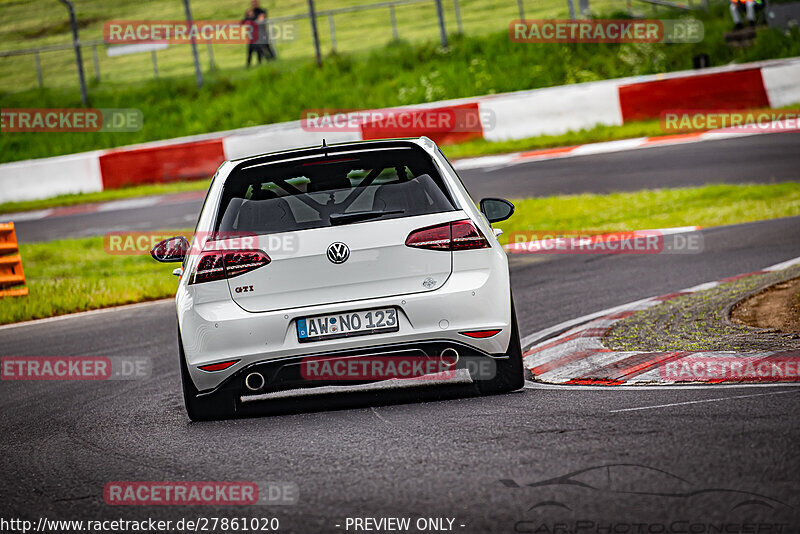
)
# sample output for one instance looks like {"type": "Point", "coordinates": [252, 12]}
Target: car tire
{"type": "Point", "coordinates": [220, 405]}
{"type": "Point", "coordinates": [509, 374]}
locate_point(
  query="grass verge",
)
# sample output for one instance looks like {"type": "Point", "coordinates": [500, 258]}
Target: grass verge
{"type": "Point", "coordinates": [74, 275]}
{"type": "Point", "coordinates": [78, 274]}
{"type": "Point", "coordinates": [700, 322]}
{"type": "Point", "coordinates": [711, 205]}
{"type": "Point", "coordinates": [104, 196]}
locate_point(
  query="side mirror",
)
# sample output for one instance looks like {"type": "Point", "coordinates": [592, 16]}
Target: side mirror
{"type": "Point", "coordinates": [171, 250]}
{"type": "Point", "coordinates": [497, 209]}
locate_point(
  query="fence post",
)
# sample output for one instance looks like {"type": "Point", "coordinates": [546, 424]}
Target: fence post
{"type": "Point", "coordinates": [38, 68]}
{"type": "Point", "coordinates": [312, 15]}
{"type": "Point", "coordinates": [96, 63]}
{"type": "Point", "coordinates": [333, 32]}
{"type": "Point", "coordinates": [521, 9]}
{"type": "Point", "coordinates": [458, 16]}
{"type": "Point", "coordinates": [77, 45]}
{"type": "Point", "coordinates": [211, 64]}
{"type": "Point", "coordinates": [395, 34]}
{"type": "Point", "coordinates": [155, 63]}
{"type": "Point", "coordinates": [571, 9]}
{"type": "Point", "coordinates": [198, 74]}
{"type": "Point", "coordinates": [442, 30]}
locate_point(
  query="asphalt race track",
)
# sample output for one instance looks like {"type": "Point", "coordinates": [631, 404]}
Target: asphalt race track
{"type": "Point", "coordinates": [755, 159]}
{"type": "Point", "coordinates": [680, 456]}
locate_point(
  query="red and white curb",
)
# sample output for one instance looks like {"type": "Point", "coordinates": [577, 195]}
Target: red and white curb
{"type": "Point", "coordinates": [573, 353]}
{"type": "Point", "coordinates": [608, 147]}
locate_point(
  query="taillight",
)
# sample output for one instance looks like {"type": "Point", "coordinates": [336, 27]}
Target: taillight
{"type": "Point", "coordinates": [457, 235]}
{"type": "Point", "coordinates": [221, 366]}
{"type": "Point", "coordinates": [480, 334]}
{"type": "Point", "coordinates": [223, 264]}
{"type": "Point", "coordinates": [466, 236]}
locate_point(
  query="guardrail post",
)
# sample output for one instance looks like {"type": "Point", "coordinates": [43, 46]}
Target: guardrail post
{"type": "Point", "coordinates": [38, 68]}
{"type": "Point", "coordinates": [96, 63]}
{"type": "Point", "coordinates": [333, 32]}
{"type": "Point", "coordinates": [393, 17]}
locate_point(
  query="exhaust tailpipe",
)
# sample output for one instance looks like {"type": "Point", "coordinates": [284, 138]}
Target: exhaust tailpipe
{"type": "Point", "coordinates": [449, 356]}
{"type": "Point", "coordinates": [254, 381]}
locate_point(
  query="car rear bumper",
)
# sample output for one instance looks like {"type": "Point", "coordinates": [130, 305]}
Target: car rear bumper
{"type": "Point", "coordinates": [220, 331]}
{"type": "Point", "coordinates": [292, 373]}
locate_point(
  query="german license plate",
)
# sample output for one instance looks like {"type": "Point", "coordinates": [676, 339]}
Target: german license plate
{"type": "Point", "coordinates": [347, 324]}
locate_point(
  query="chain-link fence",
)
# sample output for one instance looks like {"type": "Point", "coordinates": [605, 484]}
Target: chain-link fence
{"type": "Point", "coordinates": [349, 29]}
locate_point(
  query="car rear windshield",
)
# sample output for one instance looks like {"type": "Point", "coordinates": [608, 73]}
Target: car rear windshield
{"type": "Point", "coordinates": [336, 189]}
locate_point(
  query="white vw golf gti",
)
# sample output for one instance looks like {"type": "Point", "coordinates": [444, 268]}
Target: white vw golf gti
{"type": "Point", "coordinates": [369, 251]}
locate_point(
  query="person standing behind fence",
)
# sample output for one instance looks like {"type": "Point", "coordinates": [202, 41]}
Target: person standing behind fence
{"type": "Point", "coordinates": [260, 16]}
{"type": "Point", "coordinates": [257, 32]}
{"type": "Point", "coordinates": [252, 46]}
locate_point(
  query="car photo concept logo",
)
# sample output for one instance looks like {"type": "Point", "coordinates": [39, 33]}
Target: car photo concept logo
{"type": "Point", "coordinates": [338, 252]}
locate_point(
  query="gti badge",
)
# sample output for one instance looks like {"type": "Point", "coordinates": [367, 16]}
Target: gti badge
{"type": "Point", "coordinates": [338, 252]}
{"type": "Point", "coordinates": [429, 282]}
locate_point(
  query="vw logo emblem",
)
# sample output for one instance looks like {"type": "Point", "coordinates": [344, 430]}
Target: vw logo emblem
{"type": "Point", "coordinates": [338, 252]}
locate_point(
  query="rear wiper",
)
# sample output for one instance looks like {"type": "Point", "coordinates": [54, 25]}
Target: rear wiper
{"type": "Point", "coordinates": [344, 218]}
